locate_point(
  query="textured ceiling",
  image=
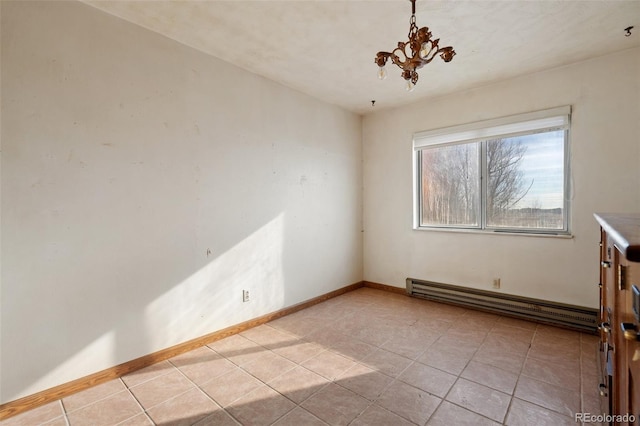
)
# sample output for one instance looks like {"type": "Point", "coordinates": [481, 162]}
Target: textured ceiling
{"type": "Point", "coordinates": [326, 48]}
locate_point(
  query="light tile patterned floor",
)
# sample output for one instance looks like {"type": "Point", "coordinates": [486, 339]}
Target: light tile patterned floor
{"type": "Point", "coordinates": [365, 358]}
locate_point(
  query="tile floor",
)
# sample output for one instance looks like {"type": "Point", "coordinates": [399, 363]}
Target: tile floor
{"type": "Point", "coordinates": [364, 358]}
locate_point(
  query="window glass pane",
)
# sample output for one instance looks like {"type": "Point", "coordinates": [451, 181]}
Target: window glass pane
{"type": "Point", "coordinates": [450, 188]}
{"type": "Point", "coordinates": [525, 186]}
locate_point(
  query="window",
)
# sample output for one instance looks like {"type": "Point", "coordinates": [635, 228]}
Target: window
{"type": "Point", "coordinates": [504, 175]}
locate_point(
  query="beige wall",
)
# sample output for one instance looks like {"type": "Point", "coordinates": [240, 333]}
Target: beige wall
{"type": "Point", "coordinates": [605, 148]}
{"type": "Point", "coordinates": [145, 184]}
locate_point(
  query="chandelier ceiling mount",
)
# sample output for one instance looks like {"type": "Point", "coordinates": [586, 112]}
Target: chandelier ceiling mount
{"type": "Point", "coordinates": [413, 54]}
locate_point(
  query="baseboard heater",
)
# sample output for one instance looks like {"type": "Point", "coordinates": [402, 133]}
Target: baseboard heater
{"type": "Point", "coordinates": [559, 314]}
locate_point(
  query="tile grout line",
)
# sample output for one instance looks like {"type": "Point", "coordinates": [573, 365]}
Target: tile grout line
{"type": "Point", "coordinates": [204, 392]}
{"type": "Point", "coordinates": [532, 378]}
{"type": "Point", "coordinates": [397, 378]}
{"type": "Point", "coordinates": [515, 387]}
{"type": "Point", "coordinates": [330, 381]}
{"type": "Point", "coordinates": [144, 412]}
{"type": "Point", "coordinates": [239, 366]}
{"type": "Point", "coordinates": [64, 413]}
{"type": "Point", "coordinates": [459, 376]}
{"type": "Point", "coordinates": [370, 403]}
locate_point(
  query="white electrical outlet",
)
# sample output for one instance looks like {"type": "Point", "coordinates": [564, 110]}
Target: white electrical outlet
{"type": "Point", "coordinates": [245, 295]}
{"type": "Point", "coordinates": [496, 283]}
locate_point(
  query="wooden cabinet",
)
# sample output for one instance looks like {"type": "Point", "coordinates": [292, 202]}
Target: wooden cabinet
{"type": "Point", "coordinates": [620, 316]}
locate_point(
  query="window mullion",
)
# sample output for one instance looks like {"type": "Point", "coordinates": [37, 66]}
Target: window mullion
{"type": "Point", "coordinates": [483, 184]}
{"type": "Point", "coordinates": [567, 182]}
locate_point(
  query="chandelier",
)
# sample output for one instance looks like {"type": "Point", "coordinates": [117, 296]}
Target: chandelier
{"type": "Point", "coordinates": [413, 54]}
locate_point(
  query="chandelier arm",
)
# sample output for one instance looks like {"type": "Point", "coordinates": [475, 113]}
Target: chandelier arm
{"type": "Point", "coordinates": [431, 55]}
{"type": "Point", "coordinates": [397, 62]}
{"type": "Point", "coordinates": [441, 52]}
{"type": "Point", "coordinates": [401, 49]}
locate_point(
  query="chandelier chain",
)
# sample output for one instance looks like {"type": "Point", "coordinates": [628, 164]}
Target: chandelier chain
{"type": "Point", "coordinates": [413, 28]}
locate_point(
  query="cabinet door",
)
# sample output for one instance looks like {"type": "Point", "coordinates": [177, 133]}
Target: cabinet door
{"type": "Point", "coordinates": [610, 334]}
{"type": "Point", "coordinates": [607, 308]}
{"type": "Point", "coordinates": [629, 282]}
{"type": "Point", "coordinates": [621, 375]}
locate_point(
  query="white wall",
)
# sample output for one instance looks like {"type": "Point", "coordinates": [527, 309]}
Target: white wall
{"type": "Point", "coordinates": [605, 153]}
{"type": "Point", "coordinates": [145, 184]}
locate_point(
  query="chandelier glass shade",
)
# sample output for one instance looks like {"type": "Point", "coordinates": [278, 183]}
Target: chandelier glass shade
{"type": "Point", "coordinates": [413, 54]}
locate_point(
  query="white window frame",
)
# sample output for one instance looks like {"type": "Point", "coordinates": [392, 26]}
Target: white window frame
{"type": "Point", "coordinates": [516, 125]}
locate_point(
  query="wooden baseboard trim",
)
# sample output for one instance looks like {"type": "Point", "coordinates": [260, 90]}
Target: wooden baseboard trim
{"type": "Point", "coordinates": [30, 402]}
{"type": "Point", "coordinates": [385, 287]}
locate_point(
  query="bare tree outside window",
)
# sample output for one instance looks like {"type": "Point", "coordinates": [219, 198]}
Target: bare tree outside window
{"type": "Point", "coordinates": [524, 186]}
{"type": "Point", "coordinates": [506, 184]}
{"type": "Point", "coordinates": [450, 188]}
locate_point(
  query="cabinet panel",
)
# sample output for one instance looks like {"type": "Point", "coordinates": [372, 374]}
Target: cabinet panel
{"type": "Point", "coordinates": [607, 308]}
{"type": "Point", "coordinates": [620, 316]}
{"type": "Point", "coordinates": [631, 342]}
{"type": "Point", "coordinates": [620, 376]}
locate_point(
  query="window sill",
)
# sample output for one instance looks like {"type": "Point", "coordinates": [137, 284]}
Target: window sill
{"type": "Point", "coordinates": [560, 235]}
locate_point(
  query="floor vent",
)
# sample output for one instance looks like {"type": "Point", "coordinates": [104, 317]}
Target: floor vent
{"type": "Point", "coordinates": [569, 316]}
